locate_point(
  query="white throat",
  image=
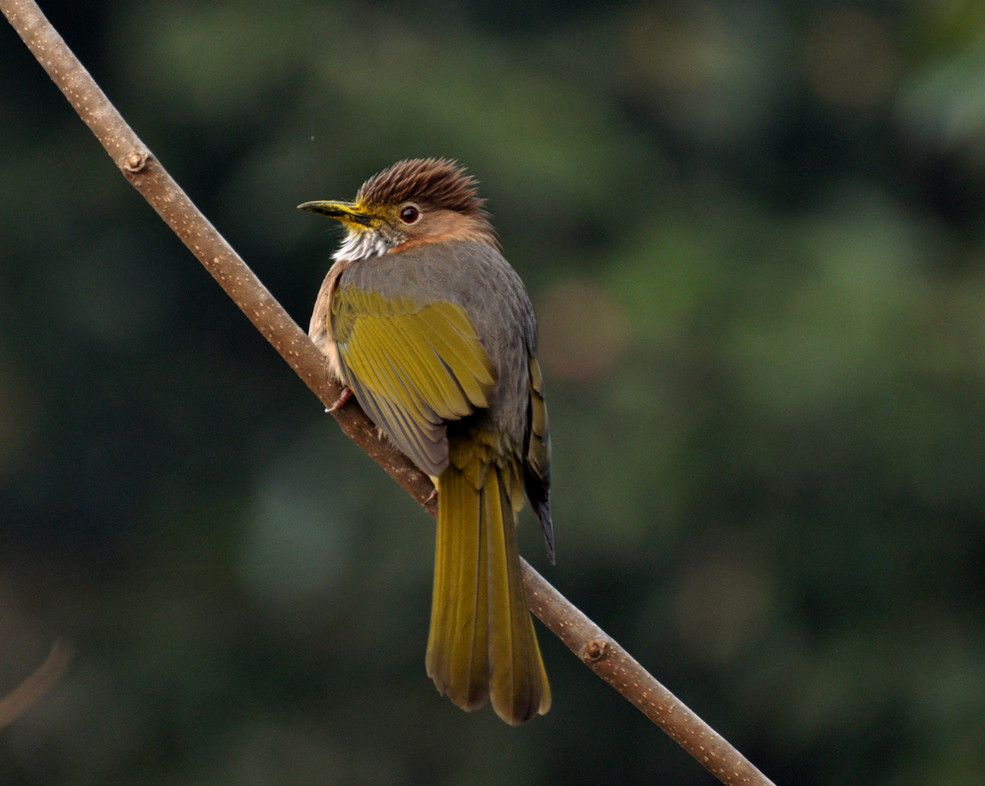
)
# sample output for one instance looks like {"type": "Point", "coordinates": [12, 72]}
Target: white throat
{"type": "Point", "coordinates": [362, 245]}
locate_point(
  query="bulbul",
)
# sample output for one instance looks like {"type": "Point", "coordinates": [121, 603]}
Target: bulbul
{"type": "Point", "coordinates": [432, 331]}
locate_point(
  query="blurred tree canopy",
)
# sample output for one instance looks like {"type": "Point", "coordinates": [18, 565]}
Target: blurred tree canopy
{"type": "Point", "coordinates": [755, 239]}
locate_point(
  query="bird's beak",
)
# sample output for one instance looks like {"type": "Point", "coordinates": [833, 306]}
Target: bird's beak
{"type": "Point", "coordinates": [346, 212]}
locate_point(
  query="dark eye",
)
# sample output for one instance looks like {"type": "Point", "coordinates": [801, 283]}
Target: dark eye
{"type": "Point", "coordinates": [409, 214]}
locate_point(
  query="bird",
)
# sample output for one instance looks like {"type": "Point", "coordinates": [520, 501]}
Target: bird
{"type": "Point", "coordinates": [426, 324]}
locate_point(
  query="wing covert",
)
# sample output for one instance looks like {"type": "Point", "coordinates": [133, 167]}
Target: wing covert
{"type": "Point", "coordinates": [412, 367]}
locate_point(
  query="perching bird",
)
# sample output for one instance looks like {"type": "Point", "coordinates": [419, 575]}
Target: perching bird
{"type": "Point", "coordinates": [430, 328]}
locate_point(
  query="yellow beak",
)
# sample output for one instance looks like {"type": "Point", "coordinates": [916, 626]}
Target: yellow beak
{"type": "Point", "coordinates": [346, 212]}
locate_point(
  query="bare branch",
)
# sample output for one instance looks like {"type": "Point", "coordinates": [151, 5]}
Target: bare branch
{"type": "Point", "coordinates": [580, 634]}
{"type": "Point", "coordinates": [42, 679]}
{"type": "Point", "coordinates": [603, 655]}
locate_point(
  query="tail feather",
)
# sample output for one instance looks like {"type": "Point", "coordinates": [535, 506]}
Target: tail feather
{"type": "Point", "coordinates": [482, 642]}
{"type": "Point", "coordinates": [456, 662]}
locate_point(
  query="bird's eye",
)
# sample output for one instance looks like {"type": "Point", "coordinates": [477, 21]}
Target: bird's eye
{"type": "Point", "coordinates": [409, 214]}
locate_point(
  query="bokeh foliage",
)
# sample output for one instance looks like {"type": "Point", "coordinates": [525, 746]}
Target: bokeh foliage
{"type": "Point", "coordinates": [755, 238]}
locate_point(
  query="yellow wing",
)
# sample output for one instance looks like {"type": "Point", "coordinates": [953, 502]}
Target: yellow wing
{"type": "Point", "coordinates": [412, 367]}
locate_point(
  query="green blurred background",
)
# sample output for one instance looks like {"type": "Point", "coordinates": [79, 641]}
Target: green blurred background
{"type": "Point", "coordinates": [754, 235]}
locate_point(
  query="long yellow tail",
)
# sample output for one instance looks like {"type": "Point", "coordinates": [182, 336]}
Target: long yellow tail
{"type": "Point", "coordinates": [482, 642]}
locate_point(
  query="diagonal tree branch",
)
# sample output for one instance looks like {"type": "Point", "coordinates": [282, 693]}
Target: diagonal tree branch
{"type": "Point", "coordinates": [589, 642]}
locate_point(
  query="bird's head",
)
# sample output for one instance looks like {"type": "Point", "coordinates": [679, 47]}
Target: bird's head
{"type": "Point", "coordinates": [421, 200]}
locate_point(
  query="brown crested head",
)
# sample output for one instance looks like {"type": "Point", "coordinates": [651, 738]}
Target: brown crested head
{"type": "Point", "coordinates": [429, 182]}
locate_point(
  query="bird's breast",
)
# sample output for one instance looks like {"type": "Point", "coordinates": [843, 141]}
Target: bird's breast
{"type": "Point", "coordinates": [320, 328]}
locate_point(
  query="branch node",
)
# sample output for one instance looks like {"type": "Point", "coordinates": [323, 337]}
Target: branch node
{"type": "Point", "coordinates": [595, 650]}
{"type": "Point", "coordinates": [136, 161]}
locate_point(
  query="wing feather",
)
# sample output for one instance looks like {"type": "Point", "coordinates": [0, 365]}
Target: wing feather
{"type": "Point", "coordinates": [412, 367]}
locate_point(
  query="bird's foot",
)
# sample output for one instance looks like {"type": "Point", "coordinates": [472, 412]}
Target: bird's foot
{"type": "Point", "coordinates": [344, 396]}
